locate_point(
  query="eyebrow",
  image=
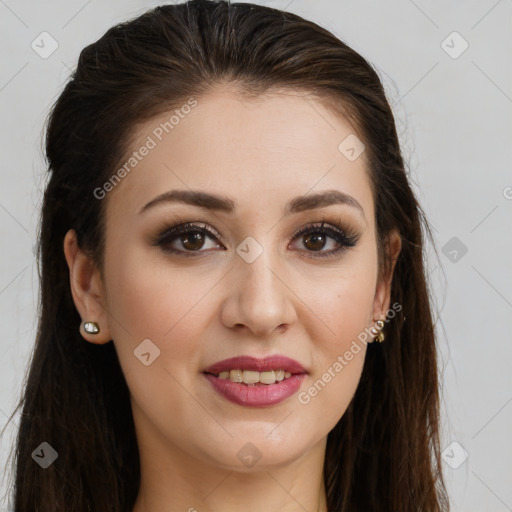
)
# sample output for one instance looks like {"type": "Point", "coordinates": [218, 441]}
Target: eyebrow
{"type": "Point", "coordinates": [228, 205]}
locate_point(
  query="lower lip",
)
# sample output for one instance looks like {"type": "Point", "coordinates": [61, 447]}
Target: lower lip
{"type": "Point", "coordinates": [257, 395]}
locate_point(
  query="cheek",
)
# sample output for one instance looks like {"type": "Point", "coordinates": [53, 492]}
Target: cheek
{"type": "Point", "coordinates": [339, 355]}
{"type": "Point", "coordinates": [161, 304]}
{"type": "Point", "coordinates": [155, 302]}
{"type": "Point", "coordinates": [342, 308]}
{"type": "Point", "coordinates": [339, 299]}
{"type": "Point", "coordinates": [330, 391]}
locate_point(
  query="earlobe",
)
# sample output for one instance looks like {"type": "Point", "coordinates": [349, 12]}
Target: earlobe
{"type": "Point", "coordinates": [87, 291]}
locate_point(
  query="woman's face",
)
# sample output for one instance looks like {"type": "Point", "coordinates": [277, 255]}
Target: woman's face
{"type": "Point", "coordinates": [250, 285]}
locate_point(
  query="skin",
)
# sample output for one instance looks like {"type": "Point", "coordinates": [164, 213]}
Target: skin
{"type": "Point", "coordinates": [199, 310]}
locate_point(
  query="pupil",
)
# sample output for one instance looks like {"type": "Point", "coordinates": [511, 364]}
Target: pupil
{"type": "Point", "coordinates": [317, 240]}
{"type": "Point", "coordinates": [189, 240]}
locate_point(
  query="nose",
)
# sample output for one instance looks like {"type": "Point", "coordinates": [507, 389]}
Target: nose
{"type": "Point", "coordinates": [259, 297]}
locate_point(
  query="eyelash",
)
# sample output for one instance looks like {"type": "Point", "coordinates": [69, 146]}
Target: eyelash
{"type": "Point", "coordinates": [345, 238]}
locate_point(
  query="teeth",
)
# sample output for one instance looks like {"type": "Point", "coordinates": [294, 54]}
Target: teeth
{"type": "Point", "coordinates": [253, 377]}
{"type": "Point", "coordinates": [236, 375]}
{"type": "Point", "coordinates": [267, 377]}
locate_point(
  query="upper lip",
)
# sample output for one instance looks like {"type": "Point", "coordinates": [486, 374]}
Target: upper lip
{"type": "Point", "coordinates": [267, 364]}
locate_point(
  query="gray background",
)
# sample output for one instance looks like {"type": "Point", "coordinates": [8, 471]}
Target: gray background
{"type": "Point", "coordinates": [453, 111]}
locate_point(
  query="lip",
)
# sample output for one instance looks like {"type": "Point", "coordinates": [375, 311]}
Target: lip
{"type": "Point", "coordinates": [256, 395]}
{"type": "Point", "coordinates": [269, 363]}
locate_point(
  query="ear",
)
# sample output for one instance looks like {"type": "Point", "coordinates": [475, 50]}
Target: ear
{"type": "Point", "coordinates": [383, 289]}
{"type": "Point", "coordinates": [86, 289]}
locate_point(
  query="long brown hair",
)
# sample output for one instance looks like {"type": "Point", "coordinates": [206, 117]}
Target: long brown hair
{"type": "Point", "coordinates": [384, 453]}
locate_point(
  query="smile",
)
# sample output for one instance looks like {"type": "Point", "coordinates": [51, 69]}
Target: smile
{"type": "Point", "coordinates": [252, 377]}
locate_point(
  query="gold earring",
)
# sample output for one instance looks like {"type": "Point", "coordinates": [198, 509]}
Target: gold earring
{"type": "Point", "coordinates": [377, 332]}
{"type": "Point", "coordinates": [91, 327]}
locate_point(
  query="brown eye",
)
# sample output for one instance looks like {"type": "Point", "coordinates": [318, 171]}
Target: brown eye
{"type": "Point", "coordinates": [314, 241]}
{"type": "Point", "coordinates": [325, 241]}
{"type": "Point", "coordinates": [188, 239]}
{"type": "Point", "coordinates": [193, 242]}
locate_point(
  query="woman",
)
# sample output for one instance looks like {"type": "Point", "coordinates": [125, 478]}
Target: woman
{"type": "Point", "coordinates": [234, 310]}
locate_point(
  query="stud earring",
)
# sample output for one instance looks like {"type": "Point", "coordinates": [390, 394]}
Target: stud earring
{"type": "Point", "coordinates": [377, 332]}
{"type": "Point", "coordinates": [91, 327]}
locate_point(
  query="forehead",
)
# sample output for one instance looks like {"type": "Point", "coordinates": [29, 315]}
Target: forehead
{"type": "Point", "coordinates": [261, 151]}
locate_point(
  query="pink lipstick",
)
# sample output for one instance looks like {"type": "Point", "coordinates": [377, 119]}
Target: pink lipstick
{"type": "Point", "coordinates": [238, 379]}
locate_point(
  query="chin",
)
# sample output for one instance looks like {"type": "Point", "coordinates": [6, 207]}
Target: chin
{"type": "Point", "coordinates": [253, 454]}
